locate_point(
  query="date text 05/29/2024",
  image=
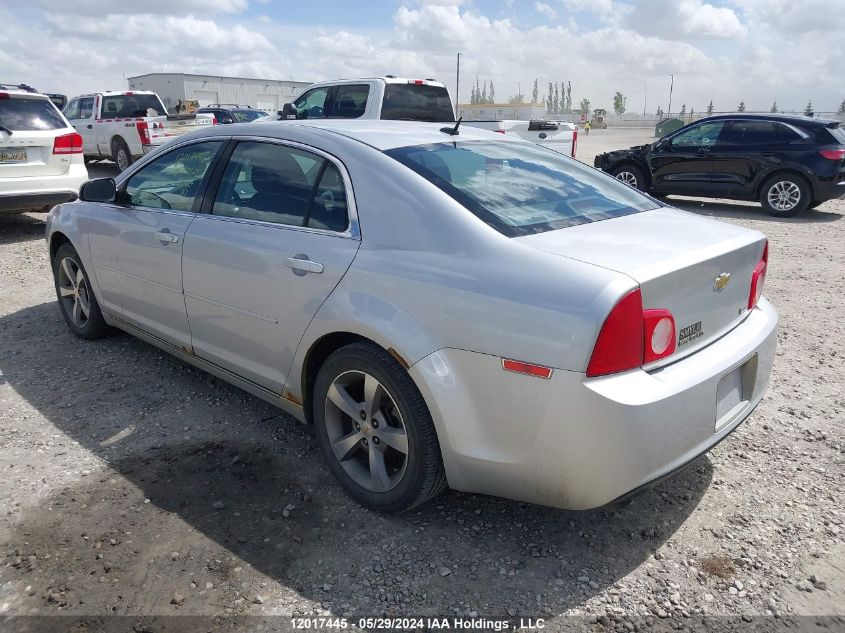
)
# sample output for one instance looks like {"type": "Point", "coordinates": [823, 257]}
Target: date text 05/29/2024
{"type": "Point", "coordinates": [418, 623]}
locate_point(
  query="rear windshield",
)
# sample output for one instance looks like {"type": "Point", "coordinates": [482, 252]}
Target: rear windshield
{"type": "Point", "coordinates": [20, 115]}
{"type": "Point", "coordinates": [125, 106]}
{"type": "Point", "coordinates": [519, 188]}
{"type": "Point", "coordinates": [416, 102]}
{"type": "Point", "coordinates": [245, 116]}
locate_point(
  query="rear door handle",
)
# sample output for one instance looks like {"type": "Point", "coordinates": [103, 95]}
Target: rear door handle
{"type": "Point", "coordinates": [302, 263]}
{"type": "Point", "coordinates": [167, 237]}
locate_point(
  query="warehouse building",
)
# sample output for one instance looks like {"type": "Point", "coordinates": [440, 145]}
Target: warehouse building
{"type": "Point", "coordinates": [264, 94]}
{"type": "Point", "coordinates": [499, 111]}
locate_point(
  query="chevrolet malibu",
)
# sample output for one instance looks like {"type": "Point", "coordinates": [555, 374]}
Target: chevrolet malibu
{"type": "Point", "coordinates": [446, 306]}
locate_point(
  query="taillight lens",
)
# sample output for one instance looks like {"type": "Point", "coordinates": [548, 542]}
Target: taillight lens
{"type": "Point", "coordinates": [213, 120]}
{"type": "Point", "coordinates": [68, 144]}
{"type": "Point", "coordinates": [632, 337]}
{"type": "Point", "coordinates": [574, 141]}
{"type": "Point", "coordinates": [833, 154]}
{"type": "Point", "coordinates": [758, 278]}
{"type": "Point", "coordinates": [143, 132]}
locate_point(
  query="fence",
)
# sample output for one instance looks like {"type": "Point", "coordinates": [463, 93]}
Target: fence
{"type": "Point", "coordinates": [631, 120]}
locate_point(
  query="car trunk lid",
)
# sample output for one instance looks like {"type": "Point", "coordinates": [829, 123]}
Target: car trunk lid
{"type": "Point", "coordinates": [163, 128]}
{"type": "Point", "coordinates": [698, 269]}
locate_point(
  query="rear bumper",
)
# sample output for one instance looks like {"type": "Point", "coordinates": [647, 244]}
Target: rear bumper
{"type": "Point", "coordinates": [578, 443]}
{"type": "Point", "coordinates": [19, 203]}
{"type": "Point", "coordinates": [30, 193]}
{"type": "Point", "coordinates": [829, 189]}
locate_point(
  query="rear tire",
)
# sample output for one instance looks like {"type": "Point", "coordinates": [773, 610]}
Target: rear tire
{"type": "Point", "coordinates": [76, 299]}
{"type": "Point", "coordinates": [375, 430]}
{"type": "Point", "coordinates": [785, 195]}
{"type": "Point", "coordinates": [631, 175]}
{"type": "Point", "coordinates": [121, 155]}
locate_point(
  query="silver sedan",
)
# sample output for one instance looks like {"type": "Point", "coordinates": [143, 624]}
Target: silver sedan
{"type": "Point", "coordinates": [446, 309]}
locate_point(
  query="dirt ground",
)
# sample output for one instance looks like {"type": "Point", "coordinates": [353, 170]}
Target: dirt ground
{"type": "Point", "coordinates": [134, 485]}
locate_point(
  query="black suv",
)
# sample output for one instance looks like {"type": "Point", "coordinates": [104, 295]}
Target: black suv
{"type": "Point", "coordinates": [232, 114]}
{"type": "Point", "coordinates": [788, 163]}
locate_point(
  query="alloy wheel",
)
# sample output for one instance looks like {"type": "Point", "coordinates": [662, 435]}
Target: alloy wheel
{"type": "Point", "coordinates": [628, 178]}
{"type": "Point", "coordinates": [74, 292]}
{"type": "Point", "coordinates": [366, 431]}
{"type": "Point", "coordinates": [784, 195]}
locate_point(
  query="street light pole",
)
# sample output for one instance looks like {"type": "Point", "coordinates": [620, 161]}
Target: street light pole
{"type": "Point", "coordinates": [645, 94]}
{"type": "Point", "coordinates": [671, 86]}
{"type": "Point", "coordinates": [457, 84]}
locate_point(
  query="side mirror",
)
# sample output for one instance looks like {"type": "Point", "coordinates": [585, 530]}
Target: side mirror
{"type": "Point", "coordinates": [98, 190]}
{"type": "Point", "coordinates": [662, 144]}
{"type": "Point", "coordinates": [288, 111]}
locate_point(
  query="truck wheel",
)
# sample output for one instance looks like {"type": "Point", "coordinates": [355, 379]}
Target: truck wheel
{"type": "Point", "coordinates": [121, 154]}
{"type": "Point", "coordinates": [630, 175]}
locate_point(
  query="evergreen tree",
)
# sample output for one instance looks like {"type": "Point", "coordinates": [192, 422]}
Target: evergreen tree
{"type": "Point", "coordinates": [808, 110]}
{"type": "Point", "coordinates": [659, 112]}
{"type": "Point", "coordinates": [683, 110]}
{"type": "Point", "coordinates": [549, 99]}
{"type": "Point", "coordinates": [774, 107]}
{"type": "Point", "coordinates": [472, 98]}
{"type": "Point", "coordinates": [841, 109]}
{"type": "Point", "coordinates": [556, 101]}
{"type": "Point", "coordinates": [477, 91]}
{"type": "Point", "coordinates": [492, 93]}
{"type": "Point", "coordinates": [741, 107]}
{"type": "Point", "coordinates": [484, 92]}
{"type": "Point", "coordinates": [619, 103]}
{"type": "Point", "coordinates": [535, 94]}
{"type": "Point", "coordinates": [710, 108]}
{"type": "Point", "coordinates": [568, 107]}
{"type": "Point", "coordinates": [585, 106]}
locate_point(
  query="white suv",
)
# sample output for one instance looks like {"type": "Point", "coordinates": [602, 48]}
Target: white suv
{"type": "Point", "coordinates": [41, 161]}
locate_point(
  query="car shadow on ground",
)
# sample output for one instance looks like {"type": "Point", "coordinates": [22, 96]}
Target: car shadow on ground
{"type": "Point", "coordinates": [181, 452]}
{"type": "Point", "coordinates": [748, 211]}
{"type": "Point", "coordinates": [22, 227]}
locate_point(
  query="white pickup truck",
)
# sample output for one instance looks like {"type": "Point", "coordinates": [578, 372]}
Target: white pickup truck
{"type": "Point", "coordinates": [123, 126]}
{"type": "Point", "coordinates": [397, 98]}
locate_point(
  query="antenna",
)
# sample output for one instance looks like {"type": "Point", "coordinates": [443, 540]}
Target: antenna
{"type": "Point", "coordinates": [452, 131]}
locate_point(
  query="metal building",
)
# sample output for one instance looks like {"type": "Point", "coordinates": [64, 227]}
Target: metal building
{"type": "Point", "coordinates": [264, 94]}
{"type": "Point", "coordinates": [498, 111]}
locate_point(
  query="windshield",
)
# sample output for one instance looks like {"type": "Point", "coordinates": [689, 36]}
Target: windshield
{"type": "Point", "coordinates": [245, 116]}
{"type": "Point", "coordinates": [519, 188]}
{"type": "Point", "coordinates": [416, 102]}
{"type": "Point", "coordinates": [134, 105]}
{"type": "Point", "coordinates": [23, 114]}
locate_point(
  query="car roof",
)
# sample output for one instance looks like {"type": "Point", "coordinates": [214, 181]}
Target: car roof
{"type": "Point", "coordinates": [112, 93]}
{"type": "Point", "coordinates": [794, 119]}
{"type": "Point", "coordinates": [388, 79]}
{"type": "Point", "coordinates": [17, 93]}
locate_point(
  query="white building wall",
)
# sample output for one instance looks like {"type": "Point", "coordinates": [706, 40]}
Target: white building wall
{"type": "Point", "coordinates": [264, 94]}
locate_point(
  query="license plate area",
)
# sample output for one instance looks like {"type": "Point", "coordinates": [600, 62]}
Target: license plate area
{"type": "Point", "coordinates": [734, 392]}
{"type": "Point", "coordinates": [12, 155]}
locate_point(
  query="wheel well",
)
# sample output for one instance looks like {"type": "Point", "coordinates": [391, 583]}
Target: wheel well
{"type": "Point", "coordinates": [56, 242]}
{"type": "Point", "coordinates": [117, 138]}
{"type": "Point", "coordinates": [317, 355]}
{"type": "Point", "coordinates": [780, 172]}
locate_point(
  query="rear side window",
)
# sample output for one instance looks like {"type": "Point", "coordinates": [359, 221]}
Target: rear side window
{"type": "Point", "coordinates": [329, 210]}
{"type": "Point", "coordinates": [134, 105]}
{"type": "Point", "coordinates": [520, 188]}
{"type": "Point", "coordinates": [757, 133]}
{"type": "Point", "coordinates": [27, 115]}
{"type": "Point", "coordinates": [838, 134]}
{"type": "Point", "coordinates": [416, 102]}
{"type": "Point", "coordinates": [350, 101]}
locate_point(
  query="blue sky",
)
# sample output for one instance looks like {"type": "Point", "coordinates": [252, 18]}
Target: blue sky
{"type": "Point", "coordinates": [757, 51]}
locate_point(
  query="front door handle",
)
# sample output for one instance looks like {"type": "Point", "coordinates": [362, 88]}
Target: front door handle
{"type": "Point", "coordinates": [167, 237]}
{"type": "Point", "coordinates": [89, 126]}
{"type": "Point", "coordinates": [304, 265]}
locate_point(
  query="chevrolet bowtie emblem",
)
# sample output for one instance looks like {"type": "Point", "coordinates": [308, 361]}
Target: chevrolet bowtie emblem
{"type": "Point", "coordinates": [721, 281]}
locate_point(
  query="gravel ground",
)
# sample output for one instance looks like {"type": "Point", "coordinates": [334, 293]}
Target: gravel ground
{"type": "Point", "coordinates": [136, 485]}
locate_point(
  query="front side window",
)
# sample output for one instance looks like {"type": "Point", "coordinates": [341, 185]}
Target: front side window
{"type": "Point", "coordinates": [71, 110]}
{"type": "Point", "coordinates": [25, 114]}
{"type": "Point", "coordinates": [86, 108]}
{"type": "Point", "coordinates": [350, 101]}
{"type": "Point", "coordinates": [520, 188]}
{"type": "Point", "coordinates": [174, 180]}
{"type": "Point", "coordinates": [701, 135]}
{"type": "Point", "coordinates": [312, 104]}
{"type": "Point", "coordinates": [132, 105]}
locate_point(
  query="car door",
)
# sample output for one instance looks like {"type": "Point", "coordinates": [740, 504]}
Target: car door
{"type": "Point", "coordinates": [748, 150]}
{"type": "Point", "coordinates": [278, 235]}
{"type": "Point", "coordinates": [136, 242]}
{"type": "Point", "coordinates": [682, 163]}
{"type": "Point", "coordinates": [79, 113]}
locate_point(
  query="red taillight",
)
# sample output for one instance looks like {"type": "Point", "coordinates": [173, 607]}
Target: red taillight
{"type": "Point", "coordinates": [620, 342]}
{"type": "Point", "coordinates": [632, 337]}
{"type": "Point", "coordinates": [213, 120]}
{"type": "Point", "coordinates": [574, 141]}
{"type": "Point", "coordinates": [499, 131]}
{"type": "Point", "coordinates": [68, 144]}
{"type": "Point", "coordinates": [833, 154]}
{"type": "Point", "coordinates": [4, 95]}
{"type": "Point", "coordinates": [528, 369]}
{"type": "Point", "coordinates": [418, 82]}
{"type": "Point", "coordinates": [143, 132]}
{"type": "Point", "coordinates": [758, 278]}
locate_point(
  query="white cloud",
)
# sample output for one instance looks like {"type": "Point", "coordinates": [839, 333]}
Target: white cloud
{"type": "Point", "coordinates": [139, 7]}
{"type": "Point", "coordinates": [545, 9]}
{"type": "Point", "coordinates": [685, 19]}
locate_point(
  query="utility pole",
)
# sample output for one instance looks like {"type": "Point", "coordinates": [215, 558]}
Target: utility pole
{"type": "Point", "coordinates": [457, 84]}
{"type": "Point", "coordinates": [645, 94]}
{"type": "Point", "coordinates": [672, 85]}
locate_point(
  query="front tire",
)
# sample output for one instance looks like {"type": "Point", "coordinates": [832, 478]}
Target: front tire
{"type": "Point", "coordinates": [77, 302]}
{"type": "Point", "coordinates": [785, 195]}
{"type": "Point", "coordinates": [631, 175]}
{"type": "Point", "coordinates": [375, 430]}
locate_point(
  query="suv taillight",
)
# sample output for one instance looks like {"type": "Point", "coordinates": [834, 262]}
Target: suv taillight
{"type": "Point", "coordinates": [632, 337]}
{"type": "Point", "coordinates": [833, 154]}
{"type": "Point", "coordinates": [144, 132]}
{"type": "Point", "coordinates": [68, 144]}
{"type": "Point", "coordinates": [758, 278]}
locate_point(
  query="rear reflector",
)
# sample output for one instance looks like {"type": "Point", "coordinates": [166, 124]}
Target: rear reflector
{"type": "Point", "coordinates": [68, 144]}
{"type": "Point", "coordinates": [833, 154]}
{"type": "Point", "coordinates": [526, 368]}
{"type": "Point", "coordinates": [620, 343]}
{"type": "Point", "coordinates": [758, 278]}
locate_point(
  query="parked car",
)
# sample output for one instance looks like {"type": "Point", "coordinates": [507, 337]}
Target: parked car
{"type": "Point", "coordinates": [123, 126]}
{"type": "Point", "coordinates": [465, 308]}
{"type": "Point", "coordinates": [788, 163]}
{"type": "Point", "coordinates": [391, 98]}
{"type": "Point", "coordinates": [40, 154]}
{"type": "Point", "coordinates": [232, 114]}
